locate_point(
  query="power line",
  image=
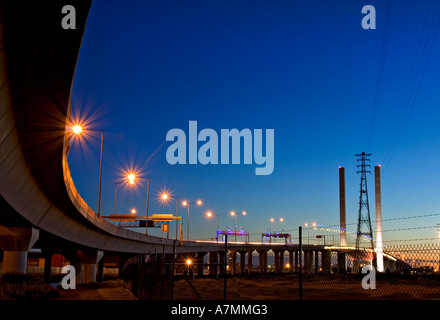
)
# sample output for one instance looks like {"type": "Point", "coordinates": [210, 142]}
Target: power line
{"type": "Point", "coordinates": [380, 72]}
{"type": "Point", "coordinates": [414, 81]}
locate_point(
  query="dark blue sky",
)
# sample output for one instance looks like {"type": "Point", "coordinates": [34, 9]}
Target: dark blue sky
{"type": "Point", "coordinates": [306, 69]}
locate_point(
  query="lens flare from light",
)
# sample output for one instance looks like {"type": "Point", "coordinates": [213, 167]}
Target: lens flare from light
{"type": "Point", "coordinates": [77, 129]}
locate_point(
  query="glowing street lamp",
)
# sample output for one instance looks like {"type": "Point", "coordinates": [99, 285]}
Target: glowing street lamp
{"type": "Point", "coordinates": [133, 211]}
{"type": "Point", "coordinates": [165, 197]}
{"type": "Point", "coordinates": [274, 222]}
{"type": "Point", "coordinates": [233, 214]}
{"type": "Point", "coordinates": [210, 214]}
{"type": "Point", "coordinates": [186, 203]}
{"type": "Point", "coordinates": [131, 179]}
{"type": "Point", "coordinates": [77, 129]}
{"type": "Point", "coordinates": [307, 225]}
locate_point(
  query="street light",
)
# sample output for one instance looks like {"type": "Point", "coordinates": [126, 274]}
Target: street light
{"type": "Point", "coordinates": [186, 203]}
{"type": "Point", "coordinates": [274, 222]}
{"type": "Point", "coordinates": [131, 179]}
{"type": "Point", "coordinates": [77, 129]}
{"type": "Point", "coordinates": [210, 214]}
{"type": "Point", "coordinates": [235, 215]}
{"type": "Point", "coordinates": [307, 225]}
{"type": "Point", "coordinates": [165, 197]}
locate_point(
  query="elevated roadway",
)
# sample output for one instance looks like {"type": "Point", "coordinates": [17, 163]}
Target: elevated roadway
{"type": "Point", "coordinates": [39, 204]}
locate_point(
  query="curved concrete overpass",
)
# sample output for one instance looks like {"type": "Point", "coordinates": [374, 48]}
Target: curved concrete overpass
{"type": "Point", "coordinates": [38, 200]}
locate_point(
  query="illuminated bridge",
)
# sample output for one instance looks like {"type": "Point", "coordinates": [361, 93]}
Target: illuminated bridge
{"type": "Point", "coordinates": [40, 207]}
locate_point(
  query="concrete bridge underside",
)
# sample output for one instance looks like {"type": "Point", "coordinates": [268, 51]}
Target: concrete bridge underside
{"type": "Point", "coordinates": [39, 204]}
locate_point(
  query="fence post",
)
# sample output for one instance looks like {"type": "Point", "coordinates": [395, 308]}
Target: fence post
{"type": "Point", "coordinates": [300, 263]}
{"type": "Point", "coordinates": [172, 271]}
{"type": "Point", "coordinates": [226, 266]}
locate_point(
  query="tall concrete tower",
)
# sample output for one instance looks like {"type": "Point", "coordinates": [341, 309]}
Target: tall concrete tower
{"type": "Point", "coordinates": [342, 211]}
{"type": "Point", "coordinates": [378, 199]}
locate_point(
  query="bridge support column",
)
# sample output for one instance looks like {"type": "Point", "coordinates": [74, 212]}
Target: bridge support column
{"type": "Point", "coordinates": [249, 263]}
{"type": "Point", "coordinates": [16, 242]}
{"type": "Point", "coordinates": [279, 259]}
{"type": "Point", "coordinates": [100, 275]}
{"type": "Point", "coordinates": [242, 262]}
{"type": "Point", "coordinates": [276, 260]}
{"type": "Point", "coordinates": [308, 261]}
{"type": "Point", "coordinates": [316, 261]}
{"type": "Point", "coordinates": [222, 257]}
{"type": "Point", "coordinates": [85, 262]}
{"type": "Point", "coordinates": [213, 263]}
{"type": "Point", "coordinates": [291, 253]}
{"type": "Point", "coordinates": [47, 254]}
{"type": "Point", "coordinates": [199, 260]}
{"type": "Point", "coordinates": [355, 267]}
{"type": "Point", "coordinates": [296, 261]}
{"type": "Point", "coordinates": [341, 262]}
{"type": "Point", "coordinates": [90, 259]}
{"type": "Point", "coordinates": [262, 261]}
{"type": "Point", "coordinates": [326, 261]}
{"type": "Point", "coordinates": [233, 261]}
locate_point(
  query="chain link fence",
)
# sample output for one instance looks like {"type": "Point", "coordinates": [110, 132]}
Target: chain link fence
{"type": "Point", "coordinates": [404, 272]}
{"type": "Point", "coordinates": [315, 273]}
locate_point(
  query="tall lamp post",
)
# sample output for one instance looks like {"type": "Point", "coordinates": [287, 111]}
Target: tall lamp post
{"type": "Point", "coordinates": [187, 203]}
{"type": "Point", "coordinates": [274, 222]}
{"type": "Point", "coordinates": [210, 214]}
{"type": "Point", "coordinates": [234, 214]}
{"type": "Point", "coordinates": [165, 197]}
{"type": "Point", "coordinates": [307, 225]}
{"type": "Point", "coordinates": [77, 129]}
{"type": "Point", "coordinates": [131, 178]}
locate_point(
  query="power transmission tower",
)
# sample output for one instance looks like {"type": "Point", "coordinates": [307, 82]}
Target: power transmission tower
{"type": "Point", "coordinates": [364, 207]}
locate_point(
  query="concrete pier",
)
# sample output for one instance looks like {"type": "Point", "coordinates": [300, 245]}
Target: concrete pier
{"type": "Point", "coordinates": [342, 207]}
{"type": "Point", "coordinates": [15, 243]}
